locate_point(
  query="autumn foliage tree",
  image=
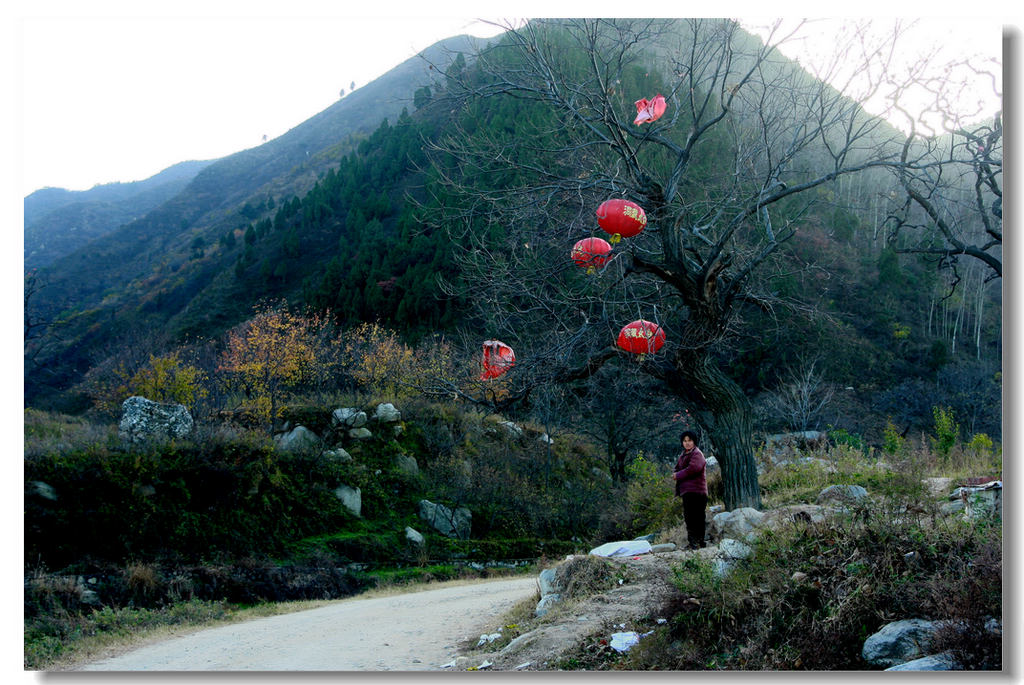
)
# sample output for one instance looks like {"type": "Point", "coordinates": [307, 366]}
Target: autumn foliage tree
{"type": "Point", "coordinates": [167, 378]}
{"type": "Point", "coordinates": [274, 353]}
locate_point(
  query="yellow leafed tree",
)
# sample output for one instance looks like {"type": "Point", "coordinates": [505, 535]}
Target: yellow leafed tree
{"type": "Point", "coordinates": [168, 379]}
{"type": "Point", "coordinates": [270, 355]}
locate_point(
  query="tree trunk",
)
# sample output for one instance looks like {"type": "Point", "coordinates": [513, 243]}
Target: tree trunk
{"type": "Point", "coordinates": [726, 413]}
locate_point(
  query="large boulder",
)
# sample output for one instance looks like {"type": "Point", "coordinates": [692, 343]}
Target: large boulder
{"type": "Point", "coordinates": [545, 604]}
{"type": "Point", "coordinates": [338, 454]}
{"type": "Point", "coordinates": [794, 514]}
{"type": "Point", "coordinates": [899, 642]}
{"type": "Point", "coordinates": [143, 419]}
{"type": "Point", "coordinates": [453, 524]}
{"type": "Point", "coordinates": [547, 582]}
{"type": "Point", "coordinates": [360, 433]}
{"type": "Point", "coordinates": [738, 524]}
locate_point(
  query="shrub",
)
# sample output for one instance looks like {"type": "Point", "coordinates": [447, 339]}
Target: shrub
{"type": "Point", "coordinates": [859, 572]}
{"type": "Point", "coordinates": [167, 379]}
{"type": "Point", "coordinates": [947, 430]}
{"type": "Point", "coordinates": [385, 366]}
{"type": "Point", "coordinates": [980, 445]}
{"type": "Point", "coordinates": [892, 441]}
{"type": "Point", "coordinates": [651, 495]}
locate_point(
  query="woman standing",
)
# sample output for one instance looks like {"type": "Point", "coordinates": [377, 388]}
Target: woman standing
{"type": "Point", "coordinates": [692, 486]}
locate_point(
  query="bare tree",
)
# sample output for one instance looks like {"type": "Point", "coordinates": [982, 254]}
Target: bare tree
{"type": "Point", "coordinates": [742, 155]}
{"type": "Point", "coordinates": [802, 397]}
{"type": "Point", "coordinates": [950, 195]}
{"type": "Point", "coordinates": [953, 197]}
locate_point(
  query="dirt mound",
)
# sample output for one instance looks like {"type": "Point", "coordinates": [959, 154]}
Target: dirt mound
{"type": "Point", "coordinates": [639, 587]}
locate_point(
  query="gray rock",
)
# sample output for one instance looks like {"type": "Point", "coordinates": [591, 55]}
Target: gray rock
{"type": "Point", "coordinates": [453, 524]}
{"type": "Point", "coordinates": [899, 642]}
{"type": "Point", "coordinates": [413, 536]}
{"type": "Point", "coordinates": [733, 549]}
{"type": "Point", "coordinates": [297, 439]}
{"type": "Point", "coordinates": [664, 547]}
{"type": "Point", "coordinates": [794, 513]}
{"type": "Point", "coordinates": [738, 524]}
{"type": "Point", "coordinates": [545, 604]}
{"type": "Point", "coordinates": [349, 417]}
{"type": "Point", "coordinates": [933, 662]}
{"type": "Point", "coordinates": [512, 429]}
{"type": "Point", "coordinates": [720, 568]}
{"type": "Point", "coordinates": [842, 493]}
{"type": "Point", "coordinates": [407, 465]}
{"type": "Point", "coordinates": [44, 490]}
{"type": "Point", "coordinates": [792, 443]}
{"type": "Point", "coordinates": [351, 498]}
{"type": "Point", "coordinates": [360, 433]}
{"type": "Point", "coordinates": [386, 413]}
{"type": "Point", "coordinates": [338, 454]}
{"type": "Point", "coordinates": [142, 419]}
{"type": "Point", "coordinates": [547, 581]}
{"type": "Point", "coordinates": [144, 490]}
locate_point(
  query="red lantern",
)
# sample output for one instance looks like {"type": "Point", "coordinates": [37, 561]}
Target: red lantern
{"type": "Point", "coordinates": [650, 110]}
{"type": "Point", "coordinates": [621, 218]}
{"type": "Point", "coordinates": [641, 337]}
{"type": "Point", "coordinates": [498, 358]}
{"type": "Point", "coordinates": [591, 253]}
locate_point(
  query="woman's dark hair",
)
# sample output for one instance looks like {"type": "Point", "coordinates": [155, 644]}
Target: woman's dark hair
{"type": "Point", "coordinates": [688, 434]}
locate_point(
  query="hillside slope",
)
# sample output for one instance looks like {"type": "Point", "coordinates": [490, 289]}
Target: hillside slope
{"type": "Point", "coordinates": [146, 270]}
{"type": "Point", "coordinates": [58, 222]}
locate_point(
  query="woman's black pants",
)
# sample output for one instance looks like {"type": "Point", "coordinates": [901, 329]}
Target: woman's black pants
{"type": "Point", "coordinates": [694, 504]}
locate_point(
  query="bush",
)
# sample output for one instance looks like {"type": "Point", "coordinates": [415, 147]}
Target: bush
{"type": "Point", "coordinates": [167, 379]}
{"type": "Point", "coordinates": [218, 493]}
{"type": "Point", "coordinates": [859, 573]}
{"type": "Point", "coordinates": [947, 430]}
{"type": "Point", "coordinates": [651, 496]}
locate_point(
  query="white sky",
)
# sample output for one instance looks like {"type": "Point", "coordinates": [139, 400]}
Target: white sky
{"type": "Point", "coordinates": [113, 92]}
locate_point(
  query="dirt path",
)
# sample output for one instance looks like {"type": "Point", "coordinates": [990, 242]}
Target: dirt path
{"type": "Point", "coordinates": [418, 631]}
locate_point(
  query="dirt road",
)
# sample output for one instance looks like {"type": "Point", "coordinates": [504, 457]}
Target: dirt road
{"type": "Point", "coordinates": [418, 631]}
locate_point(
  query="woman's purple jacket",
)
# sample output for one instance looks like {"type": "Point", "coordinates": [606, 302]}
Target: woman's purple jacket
{"type": "Point", "coordinates": [690, 472]}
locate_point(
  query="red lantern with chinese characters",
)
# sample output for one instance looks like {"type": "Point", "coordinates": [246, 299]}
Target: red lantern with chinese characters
{"type": "Point", "coordinates": [498, 358]}
{"type": "Point", "coordinates": [641, 337]}
{"type": "Point", "coordinates": [591, 253]}
{"type": "Point", "coordinates": [621, 218]}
